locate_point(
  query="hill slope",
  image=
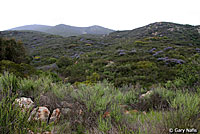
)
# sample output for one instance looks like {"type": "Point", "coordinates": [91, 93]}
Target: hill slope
{"type": "Point", "coordinates": [136, 81]}
{"type": "Point", "coordinates": [174, 31]}
{"type": "Point", "coordinates": [41, 28]}
{"type": "Point", "coordinates": [66, 30]}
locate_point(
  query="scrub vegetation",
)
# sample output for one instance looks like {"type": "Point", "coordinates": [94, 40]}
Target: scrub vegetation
{"type": "Point", "coordinates": [140, 81]}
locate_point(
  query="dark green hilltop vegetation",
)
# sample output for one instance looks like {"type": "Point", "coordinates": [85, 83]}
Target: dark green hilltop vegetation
{"type": "Point", "coordinates": [140, 81]}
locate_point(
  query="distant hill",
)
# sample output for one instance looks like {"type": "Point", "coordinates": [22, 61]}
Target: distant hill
{"type": "Point", "coordinates": [41, 28]}
{"type": "Point", "coordinates": [176, 34]}
{"type": "Point", "coordinates": [66, 30]}
{"type": "Point", "coordinates": [147, 55]}
{"type": "Point", "coordinates": [159, 29]}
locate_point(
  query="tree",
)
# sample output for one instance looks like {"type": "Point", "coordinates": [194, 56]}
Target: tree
{"type": "Point", "coordinates": [12, 50]}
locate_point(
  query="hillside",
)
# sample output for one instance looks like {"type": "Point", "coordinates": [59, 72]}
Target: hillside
{"type": "Point", "coordinates": [160, 29]}
{"type": "Point", "coordinates": [41, 28]}
{"type": "Point", "coordinates": [158, 47]}
{"type": "Point", "coordinates": [66, 30]}
{"type": "Point", "coordinates": [145, 80]}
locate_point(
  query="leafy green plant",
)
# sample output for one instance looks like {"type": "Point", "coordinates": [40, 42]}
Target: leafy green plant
{"type": "Point", "coordinates": [104, 125]}
{"type": "Point", "coordinates": [185, 111]}
{"type": "Point", "coordinates": [12, 50]}
{"type": "Point", "coordinates": [63, 62]}
{"type": "Point", "coordinates": [12, 118]}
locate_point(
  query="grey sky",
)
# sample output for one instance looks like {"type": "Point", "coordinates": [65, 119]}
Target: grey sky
{"type": "Point", "coordinates": [114, 14]}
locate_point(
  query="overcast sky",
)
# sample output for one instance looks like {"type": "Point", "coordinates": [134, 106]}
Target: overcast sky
{"type": "Point", "coordinates": [114, 14]}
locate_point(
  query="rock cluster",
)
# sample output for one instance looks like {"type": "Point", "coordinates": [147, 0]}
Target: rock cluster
{"type": "Point", "coordinates": [24, 103]}
{"type": "Point", "coordinates": [40, 113]}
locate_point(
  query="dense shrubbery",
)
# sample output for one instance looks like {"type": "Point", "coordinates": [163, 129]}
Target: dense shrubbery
{"type": "Point", "coordinates": [20, 70]}
{"type": "Point", "coordinates": [12, 50]}
{"type": "Point", "coordinates": [106, 89]}
{"type": "Point", "coordinates": [12, 119]}
{"type": "Point", "coordinates": [100, 108]}
{"type": "Point", "coordinates": [155, 55]}
{"type": "Point", "coordinates": [64, 62]}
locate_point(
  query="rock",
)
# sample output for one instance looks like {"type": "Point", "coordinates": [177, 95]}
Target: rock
{"type": "Point", "coordinates": [47, 132]}
{"type": "Point", "coordinates": [55, 115]}
{"type": "Point", "coordinates": [24, 103]}
{"type": "Point", "coordinates": [39, 114]}
{"type": "Point", "coordinates": [144, 113]}
{"type": "Point", "coordinates": [146, 94]}
{"type": "Point", "coordinates": [110, 63]}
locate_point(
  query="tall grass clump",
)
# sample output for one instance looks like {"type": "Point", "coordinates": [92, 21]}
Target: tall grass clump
{"type": "Point", "coordinates": [101, 109]}
{"type": "Point", "coordinates": [12, 119]}
{"type": "Point", "coordinates": [185, 111]}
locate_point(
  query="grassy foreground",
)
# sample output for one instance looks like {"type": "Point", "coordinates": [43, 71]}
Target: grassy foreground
{"type": "Point", "coordinates": [100, 107]}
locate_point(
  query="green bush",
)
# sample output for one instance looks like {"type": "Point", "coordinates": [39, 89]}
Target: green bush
{"type": "Point", "coordinates": [64, 62]}
{"type": "Point", "coordinates": [189, 73]}
{"type": "Point", "coordinates": [12, 119]}
{"type": "Point", "coordinates": [12, 50]}
{"type": "Point", "coordinates": [145, 64]}
{"type": "Point", "coordinates": [77, 72]}
{"type": "Point", "coordinates": [138, 42]}
{"type": "Point", "coordinates": [51, 60]}
{"type": "Point", "coordinates": [185, 110]}
{"type": "Point", "coordinates": [20, 70]}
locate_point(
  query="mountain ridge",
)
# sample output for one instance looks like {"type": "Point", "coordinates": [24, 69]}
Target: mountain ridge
{"type": "Point", "coordinates": [65, 30]}
{"type": "Point", "coordinates": [160, 29]}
